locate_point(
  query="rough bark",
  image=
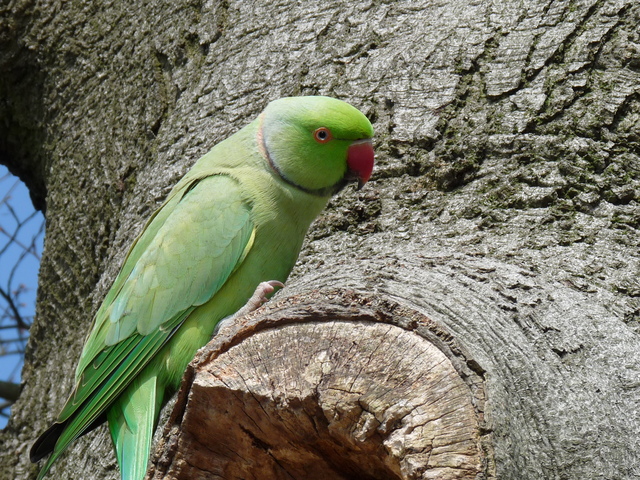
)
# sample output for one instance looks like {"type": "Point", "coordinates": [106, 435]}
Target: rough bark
{"type": "Point", "coordinates": [504, 207]}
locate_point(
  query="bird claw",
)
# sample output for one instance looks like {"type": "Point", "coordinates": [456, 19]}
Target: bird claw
{"type": "Point", "coordinates": [258, 299]}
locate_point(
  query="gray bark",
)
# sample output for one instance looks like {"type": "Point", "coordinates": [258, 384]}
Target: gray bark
{"type": "Point", "coordinates": [504, 206]}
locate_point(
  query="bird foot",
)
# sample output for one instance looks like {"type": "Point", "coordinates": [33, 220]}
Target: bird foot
{"type": "Point", "coordinates": [258, 299]}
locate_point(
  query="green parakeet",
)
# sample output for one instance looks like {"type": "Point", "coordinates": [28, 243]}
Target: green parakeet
{"type": "Point", "coordinates": [236, 219]}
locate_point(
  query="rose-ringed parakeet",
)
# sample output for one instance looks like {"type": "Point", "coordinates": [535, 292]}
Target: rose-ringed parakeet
{"type": "Point", "coordinates": [236, 219]}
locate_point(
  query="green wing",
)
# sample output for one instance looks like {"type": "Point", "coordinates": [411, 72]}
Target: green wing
{"type": "Point", "coordinates": [186, 253]}
{"type": "Point", "coordinates": [199, 244]}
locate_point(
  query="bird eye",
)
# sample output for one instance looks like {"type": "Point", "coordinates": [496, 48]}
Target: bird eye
{"type": "Point", "coordinates": [322, 135]}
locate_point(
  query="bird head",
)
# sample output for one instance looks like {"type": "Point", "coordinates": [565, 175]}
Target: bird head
{"type": "Point", "coordinates": [317, 144]}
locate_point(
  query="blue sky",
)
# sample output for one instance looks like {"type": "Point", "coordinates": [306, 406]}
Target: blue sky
{"type": "Point", "coordinates": [25, 276]}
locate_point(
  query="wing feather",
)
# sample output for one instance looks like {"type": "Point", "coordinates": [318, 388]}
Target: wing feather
{"type": "Point", "coordinates": [194, 251]}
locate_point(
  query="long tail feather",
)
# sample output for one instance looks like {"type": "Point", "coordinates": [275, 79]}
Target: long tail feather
{"type": "Point", "coordinates": [132, 421]}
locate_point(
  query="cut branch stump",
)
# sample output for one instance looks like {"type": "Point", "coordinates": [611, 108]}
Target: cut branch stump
{"type": "Point", "coordinates": [328, 385]}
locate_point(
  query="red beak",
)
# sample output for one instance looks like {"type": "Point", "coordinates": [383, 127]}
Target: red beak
{"type": "Point", "coordinates": [360, 159]}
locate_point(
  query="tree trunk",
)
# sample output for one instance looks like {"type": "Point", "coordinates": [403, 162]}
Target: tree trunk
{"type": "Point", "coordinates": [472, 313]}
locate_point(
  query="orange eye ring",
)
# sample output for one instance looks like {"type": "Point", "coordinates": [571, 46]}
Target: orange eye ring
{"type": "Point", "coordinates": [322, 135]}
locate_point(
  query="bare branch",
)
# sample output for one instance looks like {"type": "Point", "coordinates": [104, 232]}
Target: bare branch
{"type": "Point", "coordinates": [9, 390]}
{"type": "Point", "coordinates": [19, 240]}
{"type": "Point", "coordinates": [16, 316]}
